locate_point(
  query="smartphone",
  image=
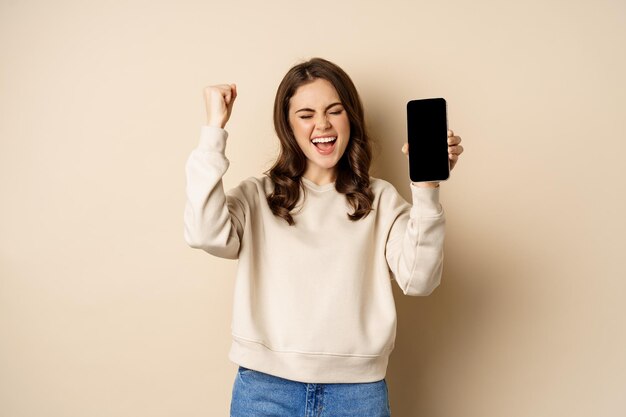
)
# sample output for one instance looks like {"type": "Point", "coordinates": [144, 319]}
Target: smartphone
{"type": "Point", "coordinates": [427, 124]}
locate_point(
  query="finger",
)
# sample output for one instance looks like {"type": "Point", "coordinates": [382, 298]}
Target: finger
{"type": "Point", "coordinates": [454, 140]}
{"type": "Point", "coordinates": [233, 89]}
{"type": "Point", "coordinates": [450, 132]}
{"type": "Point", "coordinates": [405, 148]}
{"type": "Point", "coordinates": [227, 93]}
{"type": "Point", "coordinates": [221, 88]}
{"type": "Point", "coordinates": [456, 150]}
{"type": "Point", "coordinates": [213, 91]}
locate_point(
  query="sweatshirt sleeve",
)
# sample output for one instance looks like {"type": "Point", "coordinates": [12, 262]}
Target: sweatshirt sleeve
{"type": "Point", "coordinates": [213, 221]}
{"type": "Point", "coordinates": [414, 248]}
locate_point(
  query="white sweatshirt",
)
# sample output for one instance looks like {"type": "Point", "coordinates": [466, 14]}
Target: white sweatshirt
{"type": "Point", "coordinates": [313, 302]}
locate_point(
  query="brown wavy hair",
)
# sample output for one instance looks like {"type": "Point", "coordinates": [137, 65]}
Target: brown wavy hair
{"type": "Point", "coordinates": [352, 169]}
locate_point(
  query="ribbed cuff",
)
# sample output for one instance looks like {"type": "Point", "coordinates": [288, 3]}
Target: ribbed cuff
{"type": "Point", "coordinates": [212, 139]}
{"type": "Point", "coordinates": [426, 201]}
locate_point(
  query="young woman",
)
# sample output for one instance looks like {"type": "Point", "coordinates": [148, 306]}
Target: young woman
{"type": "Point", "coordinates": [318, 242]}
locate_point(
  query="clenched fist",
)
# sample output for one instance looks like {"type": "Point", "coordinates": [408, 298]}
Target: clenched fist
{"type": "Point", "coordinates": [219, 101]}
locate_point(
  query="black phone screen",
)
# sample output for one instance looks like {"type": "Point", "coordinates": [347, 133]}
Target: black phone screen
{"type": "Point", "coordinates": [428, 140]}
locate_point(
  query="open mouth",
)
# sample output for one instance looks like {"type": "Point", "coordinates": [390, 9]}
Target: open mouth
{"type": "Point", "coordinates": [325, 144]}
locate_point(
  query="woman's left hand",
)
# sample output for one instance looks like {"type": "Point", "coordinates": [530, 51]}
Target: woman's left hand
{"type": "Point", "coordinates": [454, 148]}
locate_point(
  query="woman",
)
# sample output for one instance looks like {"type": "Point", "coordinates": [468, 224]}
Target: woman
{"type": "Point", "coordinates": [318, 242]}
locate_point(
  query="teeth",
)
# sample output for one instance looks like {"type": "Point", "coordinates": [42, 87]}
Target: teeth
{"type": "Point", "coordinates": [324, 140]}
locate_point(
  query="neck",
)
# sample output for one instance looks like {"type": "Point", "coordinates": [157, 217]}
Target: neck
{"type": "Point", "coordinates": [321, 177]}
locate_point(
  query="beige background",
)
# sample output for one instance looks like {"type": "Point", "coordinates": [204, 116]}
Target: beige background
{"type": "Point", "coordinates": [104, 311]}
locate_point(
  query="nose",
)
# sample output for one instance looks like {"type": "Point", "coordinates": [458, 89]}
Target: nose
{"type": "Point", "coordinates": [323, 123]}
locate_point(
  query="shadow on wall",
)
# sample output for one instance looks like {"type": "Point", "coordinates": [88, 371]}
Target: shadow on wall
{"type": "Point", "coordinates": [436, 335]}
{"type": "Point", "coordinates": [450, 344]}
{"type": "Point", "coordinates": [435, 338]}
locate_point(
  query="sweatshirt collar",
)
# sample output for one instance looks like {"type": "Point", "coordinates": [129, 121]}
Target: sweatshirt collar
{"type": "Point", "coordinates": [313, 186]}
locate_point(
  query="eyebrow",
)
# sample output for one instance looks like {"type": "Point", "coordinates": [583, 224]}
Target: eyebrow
{"type": "Point", "coordinates": [327, 107]}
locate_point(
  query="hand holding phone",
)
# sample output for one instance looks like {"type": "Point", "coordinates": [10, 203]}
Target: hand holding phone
{"type": "Point", "coordinates": [428, 140]}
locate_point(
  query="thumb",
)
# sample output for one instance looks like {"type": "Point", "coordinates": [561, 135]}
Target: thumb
{"type": "Point", "coordinates": [231, 95]}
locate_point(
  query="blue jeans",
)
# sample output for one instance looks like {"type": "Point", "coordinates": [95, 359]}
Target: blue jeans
{"type": "Point", "coordinates": [257, 394]}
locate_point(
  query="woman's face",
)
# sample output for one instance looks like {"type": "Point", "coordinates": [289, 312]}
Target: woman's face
{"type": "Point", "coordinates": [321, 127]}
